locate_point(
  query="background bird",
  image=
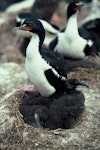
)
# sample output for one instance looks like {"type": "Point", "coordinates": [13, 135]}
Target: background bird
{"type": "Point", "coordinates": [74, 42]}
{"type": "Point", "coordinates": [92, 22]}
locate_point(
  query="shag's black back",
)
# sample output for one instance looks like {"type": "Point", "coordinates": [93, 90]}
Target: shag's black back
{"type": "Point", "coordinates": [54, 60]}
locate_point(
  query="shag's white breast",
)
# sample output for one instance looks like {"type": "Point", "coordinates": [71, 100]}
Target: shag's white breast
{"type": "Point", "coordinates": [35, 67]}
{"type": "Point", "coordinates": [35, 70]}
{"type": "Point", "coordinates": [71, 47]}
{"type": "Point", "coordinates": [70, 44]}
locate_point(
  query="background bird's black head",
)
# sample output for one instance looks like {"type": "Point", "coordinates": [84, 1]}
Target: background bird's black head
{"type": "Point", "coordinates": [34, 26]}
{"type": "Point", "coordinates": [74, 7]}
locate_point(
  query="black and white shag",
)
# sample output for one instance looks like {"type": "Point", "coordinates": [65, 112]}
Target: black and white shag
{"type": "Point", "coordinates": [74, 42]}
{"type": "Point", "coordinates": [44, 68]}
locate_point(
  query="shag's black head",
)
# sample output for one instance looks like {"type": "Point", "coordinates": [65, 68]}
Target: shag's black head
{"type": "Point", "coordinates": [21, 16]}
{"type": "Point", "coordinates": [74, 7]}
{"type": "Point", "coordinates": [34, 26]}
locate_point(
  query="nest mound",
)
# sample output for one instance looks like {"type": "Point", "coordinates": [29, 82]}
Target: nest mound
{"type": "Point", "coordinates": [14, 132]}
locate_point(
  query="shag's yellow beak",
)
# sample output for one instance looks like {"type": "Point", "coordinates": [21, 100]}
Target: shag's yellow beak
{"type": "Point", "coordinates": [79, 4]}
{"type": "Point", "coordinates": [23, 27]}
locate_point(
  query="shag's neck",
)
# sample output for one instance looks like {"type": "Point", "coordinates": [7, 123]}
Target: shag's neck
{"type": "Point", "coordinates": [72, 27]}
{"type": "Point", "coordinates": [33, 47]}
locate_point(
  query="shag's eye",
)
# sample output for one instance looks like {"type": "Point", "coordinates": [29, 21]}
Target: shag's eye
{"type": "Point", "coordinates": [30, 25]}
{"type": "Point", "coordinates": [27, 26]}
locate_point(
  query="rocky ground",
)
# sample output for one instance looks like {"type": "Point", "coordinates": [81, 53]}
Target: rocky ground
{"type": "Point", "coordinates": [14, 133]}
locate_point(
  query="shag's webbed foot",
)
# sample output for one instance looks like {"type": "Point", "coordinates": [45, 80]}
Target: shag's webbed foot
{"type": "Point", "coordinates": [72, 84]}
{"type": "Point", "coordinates": [28, 88]}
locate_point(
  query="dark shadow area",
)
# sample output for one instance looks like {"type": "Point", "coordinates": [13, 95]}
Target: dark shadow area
{"type": "Point", "coordinates": [72, 64]}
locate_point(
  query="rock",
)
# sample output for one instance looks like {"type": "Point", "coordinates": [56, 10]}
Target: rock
{"type": "Point", "coordinates": [12, 76]}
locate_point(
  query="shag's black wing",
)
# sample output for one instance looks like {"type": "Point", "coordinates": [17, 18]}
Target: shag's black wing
{"type": "Point", "coordinates": [53, 43]}
{"type": "Point", "coordinates": [85, 34]}
{"type": "Point", "coordinates": [82, 32]}
{"type": "Point", "coordinates": [93, 26]}
{"type": "Point", "coordinates": [54, 60]}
